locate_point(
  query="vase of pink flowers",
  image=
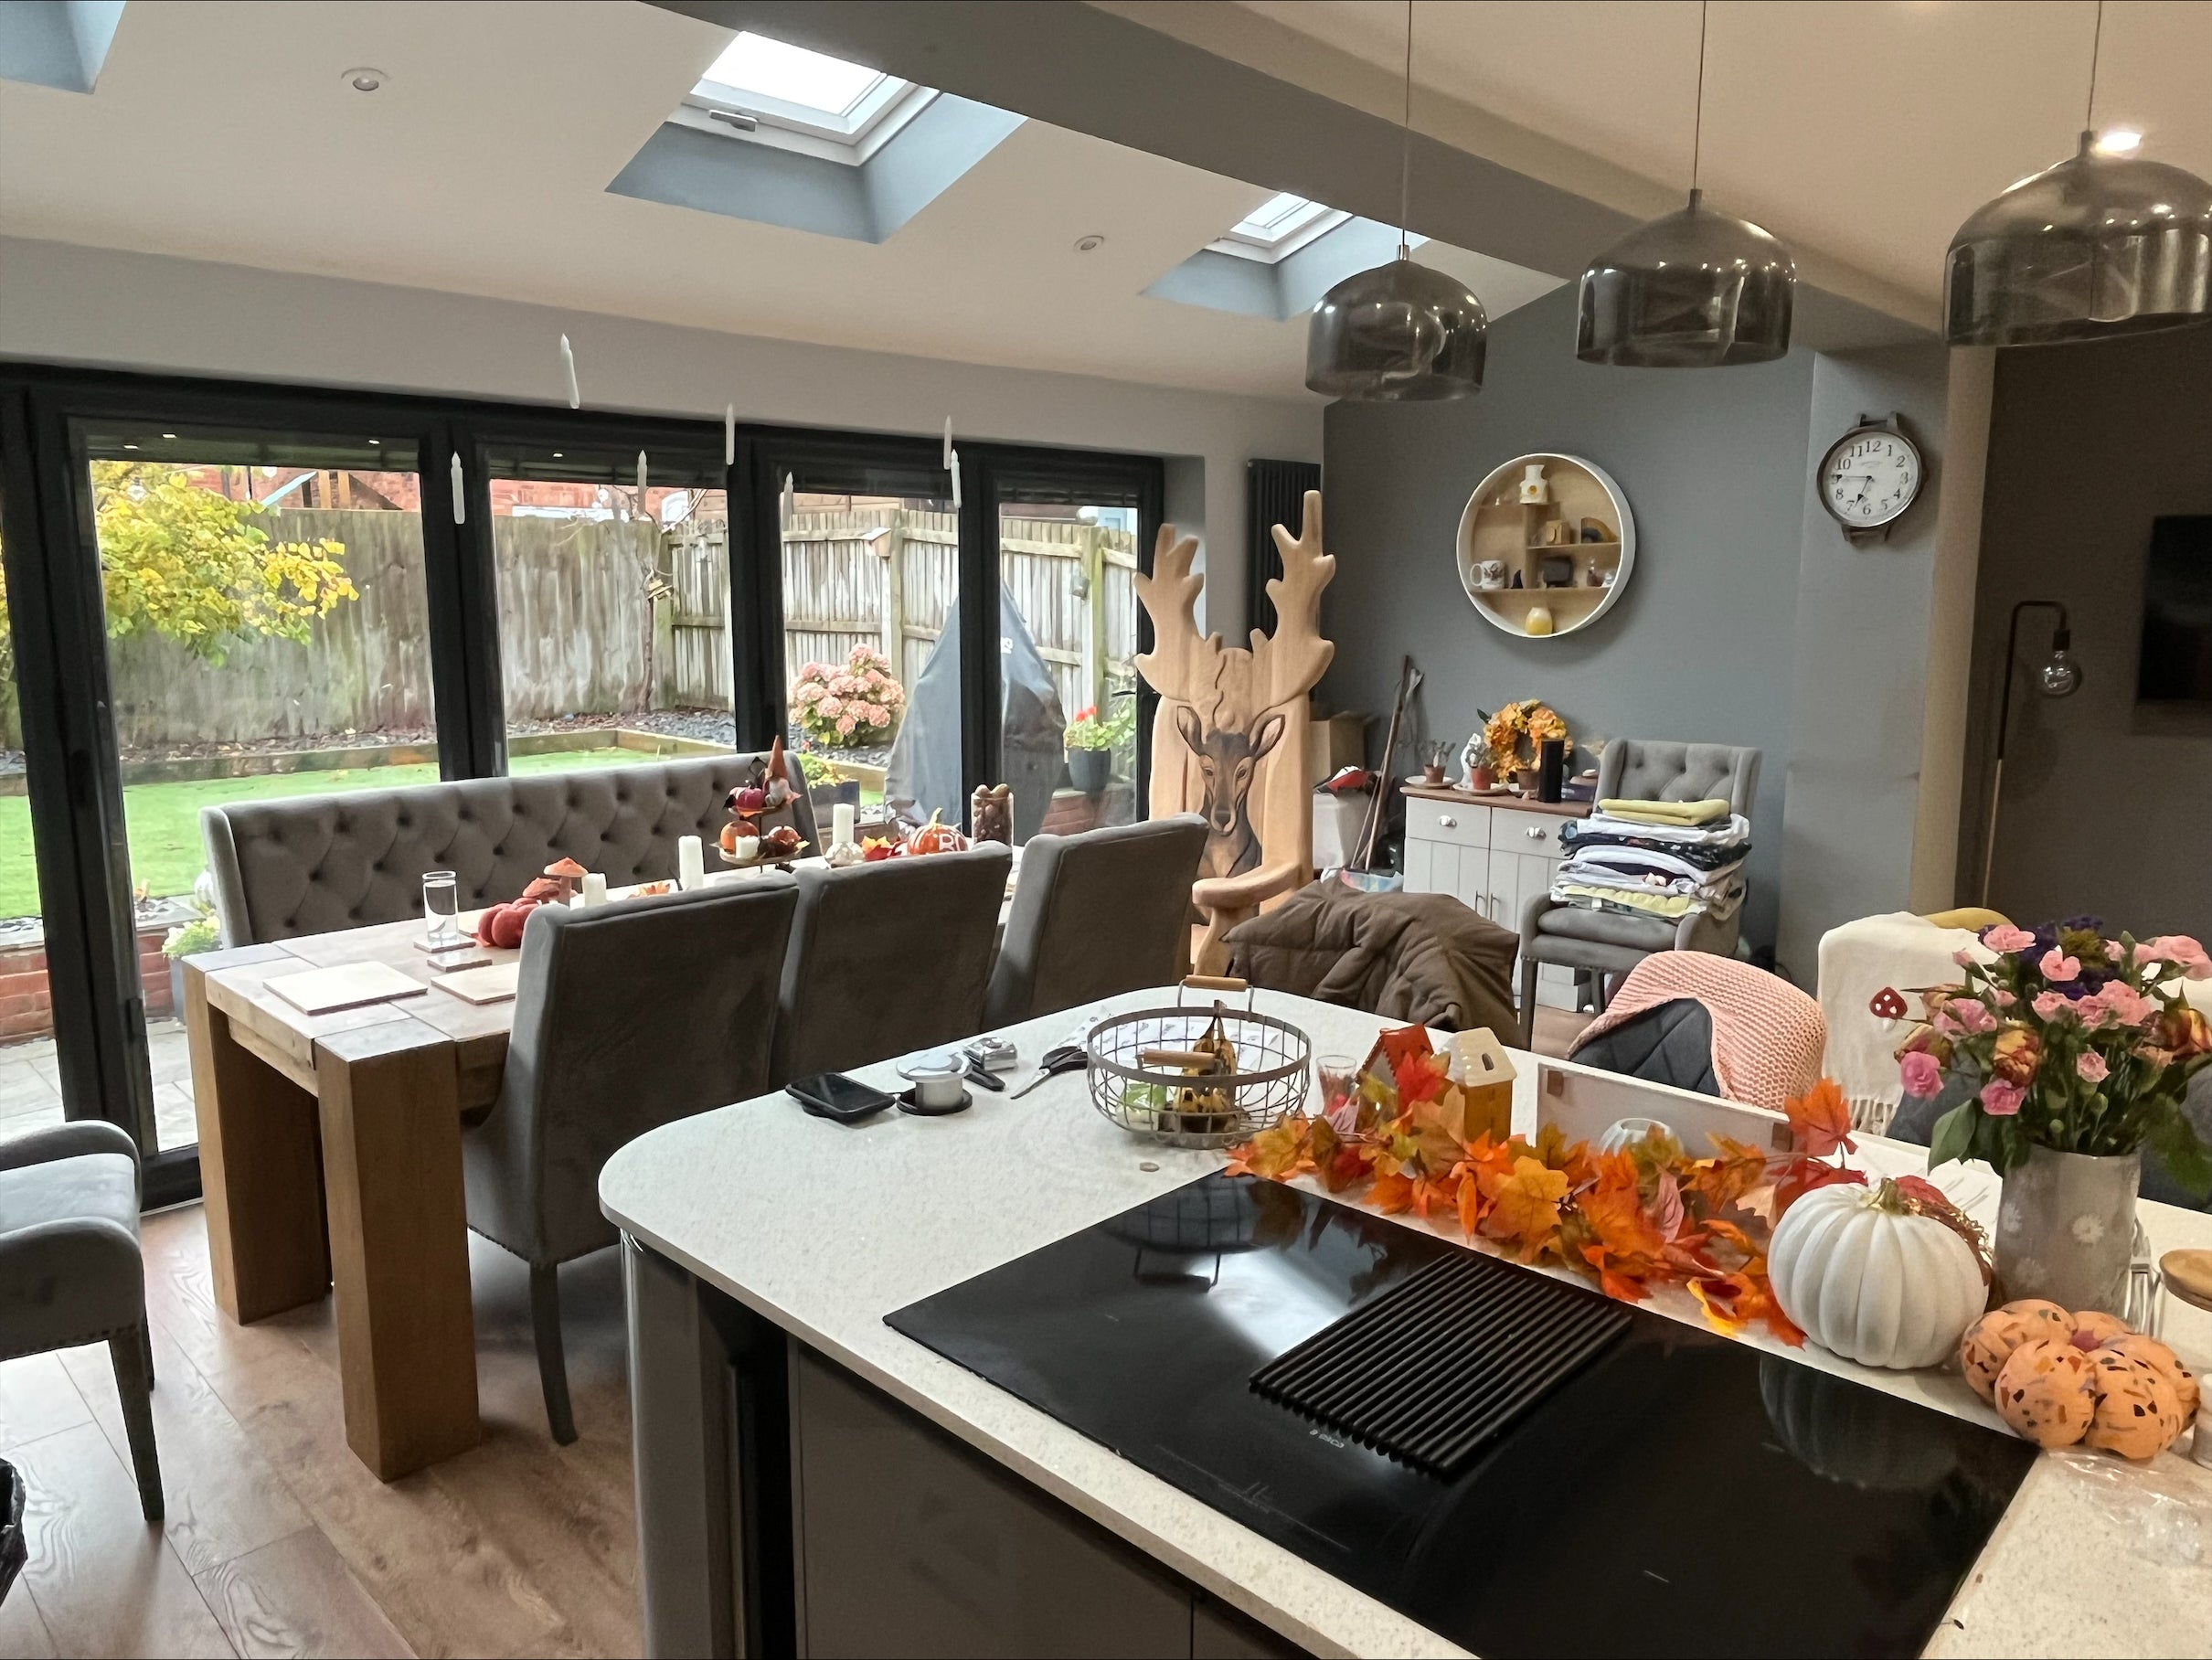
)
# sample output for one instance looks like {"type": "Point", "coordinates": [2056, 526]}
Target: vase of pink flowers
{"type": "Point", "coordinates": [2073, 1050]}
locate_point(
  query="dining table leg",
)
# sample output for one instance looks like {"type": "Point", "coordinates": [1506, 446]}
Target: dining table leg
{"type": "Point", "coordinates": [398, 1237]}
{"type": "Point", "coordinates": [261, 1163]}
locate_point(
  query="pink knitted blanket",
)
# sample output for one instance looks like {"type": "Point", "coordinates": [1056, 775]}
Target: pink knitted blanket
{"type": "Point", "coordinates": [1767, 1035]}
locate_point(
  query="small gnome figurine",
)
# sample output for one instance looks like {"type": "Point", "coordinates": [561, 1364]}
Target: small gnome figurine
{"type": "Point", "coordinates": [991, 813]}
{"type": "Point", "coordinates": [766, 790]}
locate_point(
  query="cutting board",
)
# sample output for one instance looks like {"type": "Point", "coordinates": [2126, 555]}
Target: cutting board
{"type": "Point", "coordinates": [492, 985]}
{"type": "Point", "coordinates": [325, 991]}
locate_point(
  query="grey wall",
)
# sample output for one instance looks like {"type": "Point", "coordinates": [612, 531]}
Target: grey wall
{"type": "Point", "coordinates": [2106, 809]}
{"type": "Point", "coordinates": [1700, 644]}
{"type": "Point", "coordinates": [1860, 680]}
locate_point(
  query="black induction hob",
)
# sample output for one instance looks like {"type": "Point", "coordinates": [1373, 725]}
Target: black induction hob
{"type": "Point", "coordinates": [1680, 1493]}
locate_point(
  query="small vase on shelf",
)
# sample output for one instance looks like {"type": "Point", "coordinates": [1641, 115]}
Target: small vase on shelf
{"type": "Point", "coordinates": [1482, 778]}
{"type": "Point", "coordinates": [2066, 1227]}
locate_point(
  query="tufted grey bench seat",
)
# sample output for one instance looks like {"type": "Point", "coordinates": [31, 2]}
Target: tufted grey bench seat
{"type": "Point", "coordinates": [316, 864]}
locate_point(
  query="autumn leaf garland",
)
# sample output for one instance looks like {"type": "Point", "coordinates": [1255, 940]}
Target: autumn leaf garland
{"type": "Point", "coordinates": [1647, 1215]}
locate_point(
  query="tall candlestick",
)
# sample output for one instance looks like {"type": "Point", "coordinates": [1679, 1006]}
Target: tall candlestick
{"type": "Point", "coordinates": [690, 863]}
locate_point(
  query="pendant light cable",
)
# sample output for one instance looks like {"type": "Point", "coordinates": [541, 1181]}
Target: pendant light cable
{"type": "Point", "coordinates": [1697, 119]}
{"type": "Point", "coordinates": [1405, 145]}
{"type": "Point", "coordinates": [2089, 119]}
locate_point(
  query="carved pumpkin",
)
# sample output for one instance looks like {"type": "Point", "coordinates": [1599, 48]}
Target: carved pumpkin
{"type": "Point", "coordinates": [936, 837]}
{"type": "Point", "coordinates": [1989, 1342]}
{"type": "Point", "coordinates": [2048, 1393]}
{"type": "Point", "coordinates": [1872, 1281]}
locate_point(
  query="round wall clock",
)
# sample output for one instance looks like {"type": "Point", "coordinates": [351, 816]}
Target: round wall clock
{"type": "Point", "coordinates": [1869, 477]}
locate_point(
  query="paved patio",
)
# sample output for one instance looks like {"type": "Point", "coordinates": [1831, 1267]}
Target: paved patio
{"type": "Point", "coordinates": [30, 1086]}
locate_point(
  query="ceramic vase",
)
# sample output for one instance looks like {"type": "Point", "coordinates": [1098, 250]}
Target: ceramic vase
{"type": "Point", "coordinates": [2065, 1228]}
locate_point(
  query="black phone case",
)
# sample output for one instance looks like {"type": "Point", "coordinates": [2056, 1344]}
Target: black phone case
{"type": "Point", "coordinates": [821, 1107]}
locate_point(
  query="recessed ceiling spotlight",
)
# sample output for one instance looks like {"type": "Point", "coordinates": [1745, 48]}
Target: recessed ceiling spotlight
{"type": "Point", "coordinates": [2118, 141]}
{"type": "Point", "coordinates": [364, 80]}
{"type": "Point", "coordinates": [1090, 244]}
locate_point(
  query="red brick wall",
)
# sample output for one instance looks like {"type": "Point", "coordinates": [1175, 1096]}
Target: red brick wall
{"type": "Point", "coordinates": [26, 1005]}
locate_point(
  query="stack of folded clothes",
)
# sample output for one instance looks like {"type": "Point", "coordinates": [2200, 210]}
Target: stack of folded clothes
{"type": "Point", "coordinates": [1667, 859]}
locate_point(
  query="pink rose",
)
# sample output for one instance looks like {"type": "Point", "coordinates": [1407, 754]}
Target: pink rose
{"type": "Point", "coordinates": [1973, 1016]}
{"type": "Point", "coordinates": [2000, 1099]}
{"type": "Point", "coordinates": [2006, 937]}
{"type": "Point", "coordinates": [2057, 966]}
{"type": "Point", "coordinates": [1919, 1072]}
{"type": "Point", "coordinates": [2051, 1005]}
{"type": "Point", "coordinates": [2091, 1068]}
{"type": "Point", "coordinates": [2181, 950]}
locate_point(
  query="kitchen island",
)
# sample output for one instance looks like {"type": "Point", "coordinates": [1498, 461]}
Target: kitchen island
{"type": "Point", "coordinates": [808, 1477]}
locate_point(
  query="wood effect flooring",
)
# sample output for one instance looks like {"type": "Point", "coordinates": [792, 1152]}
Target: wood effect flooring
{"type": "Point", "coordinates": [277, 1540]}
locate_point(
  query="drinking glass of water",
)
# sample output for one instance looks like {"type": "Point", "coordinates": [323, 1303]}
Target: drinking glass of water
{"type": "Point", "coordinates": [441, 909]}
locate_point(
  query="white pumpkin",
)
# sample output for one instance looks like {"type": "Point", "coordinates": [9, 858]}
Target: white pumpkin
{"type": "Point", "coordinates": [1864, 1277]}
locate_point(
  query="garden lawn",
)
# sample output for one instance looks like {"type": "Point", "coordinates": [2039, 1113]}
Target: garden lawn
{"type": "Point", "coordinates": [163, 819]}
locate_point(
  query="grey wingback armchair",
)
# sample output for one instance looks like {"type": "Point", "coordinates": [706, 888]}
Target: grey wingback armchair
{"type": "Point", "coordinates": [316, 864]}
{"type": "Point", "coordinates": [1094, 914]}
{"type": "Point", "coordinates": [1601, 941]}
{"type": "Point", "coordinates": [628, 1016]}
{"type": "Point", "coordinates": [887, 958]}
{"type": "Point", "coordinates": [69, 1267]}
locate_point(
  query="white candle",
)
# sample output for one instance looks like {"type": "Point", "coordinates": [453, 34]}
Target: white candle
{"type": "Point", "coordinates": [748, 847]}
{"type": "Point", "coordinates": [841, 819]}
{"type": "Point", "coordinates": [595, 888]}
{"type": "Point", "coordinates": [2200, 1449]}
{"type": "Point", "coordinates": [690, 863]}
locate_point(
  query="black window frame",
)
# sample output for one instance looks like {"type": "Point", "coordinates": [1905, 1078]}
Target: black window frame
{"type": "Point", "coordinates": [58, 609]}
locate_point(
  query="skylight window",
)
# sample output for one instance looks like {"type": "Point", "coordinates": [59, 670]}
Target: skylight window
{"type": "Point", "coordinates": [786, 96]}
{"type": "Point", "coordinates": [1280, 227]}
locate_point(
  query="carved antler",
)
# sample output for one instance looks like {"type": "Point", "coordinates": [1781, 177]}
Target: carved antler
{"type": "Point", "coordinates": [1232, 680]}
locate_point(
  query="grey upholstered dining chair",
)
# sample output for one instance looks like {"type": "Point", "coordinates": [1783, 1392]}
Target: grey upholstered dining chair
{"type": "Point", "coordinates": [629, 1016]}
{"type": "Point", "coordinates": [889, 957]}
{"type": "Point", "coordinates": [1601, 941]}
{"type": "Point", "coordinates": [69, 1268]}
{"type": "Point", "coordinates": [1105, 911]}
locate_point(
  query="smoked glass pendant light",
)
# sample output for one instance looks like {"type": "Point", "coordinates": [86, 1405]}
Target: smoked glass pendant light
{"type": "Point", "coordinates": [1401, 333]}
{"type": "Point", "coordinates": [1697, 290]}
{"type": "Point", "coordinates": [2104, 243]}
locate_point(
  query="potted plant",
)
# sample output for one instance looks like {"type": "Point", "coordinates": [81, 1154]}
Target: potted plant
{"type": "Point", "coordinates": [188, 940]}
{"type": "Point", "coordinates": [852, 707]}
{"type": "Point", "coordinates": [1093, 742]}
{"type": "Point", "coordinates": [2074, 1051]}
{"type": "Point", "coordinates": [825, 785]}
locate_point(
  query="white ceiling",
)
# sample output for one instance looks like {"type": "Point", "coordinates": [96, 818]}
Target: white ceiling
{"type": "Point", "coordinates": [222, 130]}
{"type": "Point", "coordinates": [1862, 130]}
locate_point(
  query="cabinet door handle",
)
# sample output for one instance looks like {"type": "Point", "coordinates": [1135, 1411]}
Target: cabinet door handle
{"type": "Point", "coordinates": [1536, 834]}
{"type": "Point", "coordinates": [1495, 906]}
{"type": "Point", "coordinates": [1447, 820]}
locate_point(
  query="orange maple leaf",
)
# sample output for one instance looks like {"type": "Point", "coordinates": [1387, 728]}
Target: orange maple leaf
{"type": "Point", "coordinates": [1801, 1176]}
{"type": "Point", "coordinates": [1820, 1119]}
{"type": "Point", "coordinates": [1392, 1193]}
{"type": "Point", "coordinates": [1615, 1209]}
{"type": "Point", "coordinates": [1525, 1207]}
{"type": "Point", "coordinates": [1278, 1154]}
{"type": "Point", "coordinates": [1420, 1078]}
{"type": "Point", "coordinates": [1720, 1182]}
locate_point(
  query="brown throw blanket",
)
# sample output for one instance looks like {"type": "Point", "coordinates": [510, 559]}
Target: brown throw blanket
{"type": "Point", "coordinates": [1420, 957]}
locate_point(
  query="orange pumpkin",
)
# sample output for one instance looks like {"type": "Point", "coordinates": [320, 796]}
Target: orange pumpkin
{"type": "Point", "coordinates": [2097, 1326]}
{"type": "Point", "coordinates": [2138, 1412]}
{"type": "Point", "coordinates": [2148, 1351]}
{"type": "Point", "coordinates": [936, 837]}
{"type": "Point", "coordinates": [2048, 1393]}
{"type": "Point", "coordinates": [1990, 1341]}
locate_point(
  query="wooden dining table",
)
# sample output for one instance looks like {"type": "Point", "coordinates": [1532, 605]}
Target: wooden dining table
{"type": "Point", "coordinates": [330, 1162]}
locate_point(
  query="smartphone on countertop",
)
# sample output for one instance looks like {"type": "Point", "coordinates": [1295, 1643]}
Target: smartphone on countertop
{"type": "Point", "coordinates": [834, 1095]}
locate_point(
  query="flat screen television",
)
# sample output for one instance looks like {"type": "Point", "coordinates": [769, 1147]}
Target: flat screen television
{"type": "Point", "coordinates": [2176, 662]}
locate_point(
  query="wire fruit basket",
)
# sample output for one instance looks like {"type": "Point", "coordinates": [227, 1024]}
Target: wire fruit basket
{"type": "Point", "coordinates": [1199, 1074]}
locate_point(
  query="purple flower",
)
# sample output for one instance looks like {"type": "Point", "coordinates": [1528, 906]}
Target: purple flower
{"type": "Point", "coordinates": [2000, 1099]}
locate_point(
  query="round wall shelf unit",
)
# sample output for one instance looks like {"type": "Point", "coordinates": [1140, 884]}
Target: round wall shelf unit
{"type": "Point", "coordinates": [1572, 552]}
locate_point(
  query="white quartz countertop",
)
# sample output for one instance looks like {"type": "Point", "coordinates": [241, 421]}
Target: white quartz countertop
{"type": "Point", "coordinates": [826, 1228]}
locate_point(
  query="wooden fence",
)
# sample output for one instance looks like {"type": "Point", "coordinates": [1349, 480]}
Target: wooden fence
{"type": "Point", "coordinates": [582, 631]}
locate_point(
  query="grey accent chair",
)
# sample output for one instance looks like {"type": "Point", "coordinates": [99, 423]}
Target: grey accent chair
{"type": "Point", "coordinates": [69, 1268]}
{"type": "Point", "coordinates": [1601, 943]}
{"type": "Point", "coordinates": [629, 1015]}
{"type": "Point", "coordinates": [315, 864]}
{"type": "Point", "coordinates": [889, 957]}
{"type": "Point", "coordinates": [1094, 914]}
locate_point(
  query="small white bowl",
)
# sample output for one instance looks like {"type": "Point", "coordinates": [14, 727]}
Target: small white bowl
{"type": "Point", "coordinates": [938, 1077]}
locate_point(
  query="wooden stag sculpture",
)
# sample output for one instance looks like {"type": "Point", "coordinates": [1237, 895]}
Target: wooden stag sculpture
{"type": "Point", "coordinates": [1229, 738]}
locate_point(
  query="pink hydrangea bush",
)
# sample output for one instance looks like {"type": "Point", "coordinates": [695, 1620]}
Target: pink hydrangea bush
{"type": "Point", "coordinates": [849, 707]}
{"type": "Point", "coordinates": [2068, 1040]}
